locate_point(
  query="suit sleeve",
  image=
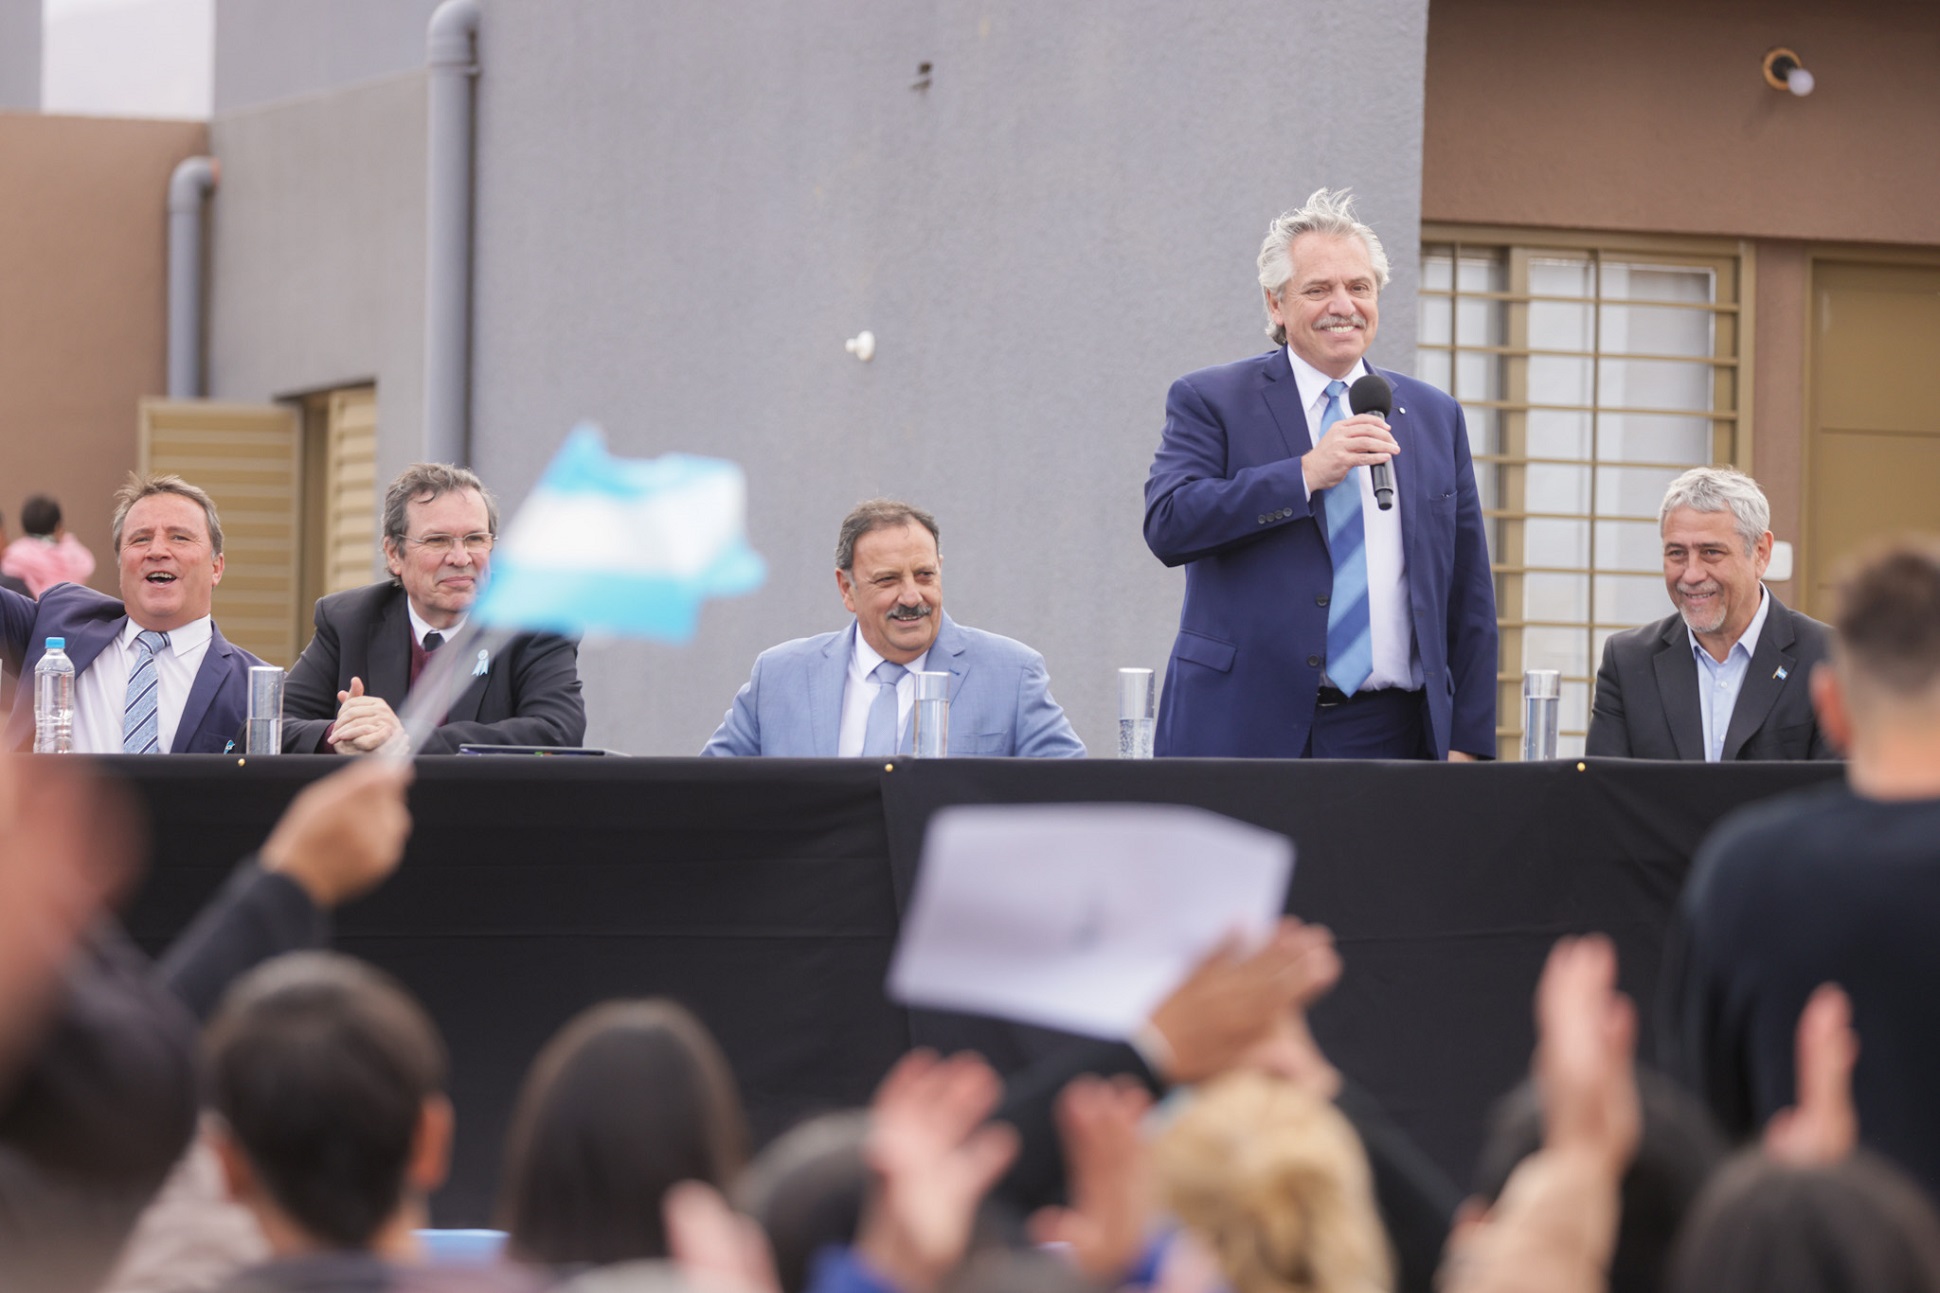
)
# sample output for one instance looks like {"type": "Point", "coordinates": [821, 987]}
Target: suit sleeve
{"type": "Point", "coordinates": [739, 735]}
{"type": "Point", "coordinates": [1609, 735]}
{"type": "Point", "coordinates": [310, 692]}
{"type": "Point", "coordinates": [547, 708]}
{"type": "Point", "coordinates": [1043, 731]}
{"type": "Point", "coordinates": [1473, 651]}
{"type": "Point", "coordinates": [16, 627]}
{"type": "Point", "coordinates": [1193, 507]}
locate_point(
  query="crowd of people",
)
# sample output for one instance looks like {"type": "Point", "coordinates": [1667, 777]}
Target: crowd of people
{"type": "Point", "coordinates": [255, 1112]}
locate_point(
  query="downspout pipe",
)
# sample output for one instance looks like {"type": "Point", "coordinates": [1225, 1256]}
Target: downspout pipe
{"type": "Point", "coordinates": [194, 179]}
{"type": "Point", "coordinates": [451, 66]}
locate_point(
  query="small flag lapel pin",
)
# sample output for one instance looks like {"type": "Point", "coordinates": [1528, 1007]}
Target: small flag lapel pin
{"type": "Point", "coordinates": [484, 663]}
{"type": "Point", "coordinates": [1779, 673]}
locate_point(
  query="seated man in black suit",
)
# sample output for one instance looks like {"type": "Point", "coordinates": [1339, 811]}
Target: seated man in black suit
{"type": "Point", "coordinates": [1836, 885]}
{"type": "Point", "coordinates": [1727, 676]}
{"type": "Point", "coordinates": [440, 523]}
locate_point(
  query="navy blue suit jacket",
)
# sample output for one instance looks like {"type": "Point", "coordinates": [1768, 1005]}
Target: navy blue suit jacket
{"type": "Point", "coordinates": [1226, 500]}
{"type": "Point", "coordinates": [218, 702]}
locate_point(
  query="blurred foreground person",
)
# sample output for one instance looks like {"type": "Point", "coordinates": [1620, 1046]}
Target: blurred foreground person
{"type": "Point", "coordinates": [628, 1099]}
{"type": "Point", "coordinates": [1835, 885]}
{"type": "Point", "coordinates": [329, 1084]}
{"type": "Point", "coordinates": [1274, 1181]}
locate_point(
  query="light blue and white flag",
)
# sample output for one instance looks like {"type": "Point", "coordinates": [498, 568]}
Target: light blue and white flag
{"type": "Point", "coordinates": [622, 545]}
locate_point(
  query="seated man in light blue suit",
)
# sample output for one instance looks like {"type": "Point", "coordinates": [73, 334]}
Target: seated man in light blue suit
{"type": "Point", "coordinates": [850, 692]}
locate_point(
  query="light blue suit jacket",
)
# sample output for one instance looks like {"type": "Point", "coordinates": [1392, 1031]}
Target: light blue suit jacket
{"type": "Point", "coordinates": [1000, 699]}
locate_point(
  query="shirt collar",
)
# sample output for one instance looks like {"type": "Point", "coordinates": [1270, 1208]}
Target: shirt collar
{"type": "Point", "coordinates": [1313, 383]}
{"type": "Point", "coordinates": [420, 627]}
{"type": "Point", "coordinates": [184, 638]}
{"type": "Point", "coordinates": [864, 658]}
{"type": "Point", "coordinates": [1749, 638]}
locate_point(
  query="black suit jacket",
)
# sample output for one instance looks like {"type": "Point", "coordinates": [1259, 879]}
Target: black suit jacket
{"type": "Point", "coordinates": [529, 694]}
{"type": "Point", "coordinates": [1647, 694]}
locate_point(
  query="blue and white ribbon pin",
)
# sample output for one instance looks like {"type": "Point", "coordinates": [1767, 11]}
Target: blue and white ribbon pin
{"type": "Point", "coordinates": [484, 663]}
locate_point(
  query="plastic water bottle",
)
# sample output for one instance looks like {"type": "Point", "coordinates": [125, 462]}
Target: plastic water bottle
{"type": "Point", "coordinates": [54, 700]}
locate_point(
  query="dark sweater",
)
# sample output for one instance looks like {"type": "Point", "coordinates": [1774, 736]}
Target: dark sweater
{"type": "Point", "coordinates": [1819, 887]}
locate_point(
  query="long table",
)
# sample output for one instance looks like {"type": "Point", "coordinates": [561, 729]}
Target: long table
{"type": "Point", "coordinates": [765, 895]}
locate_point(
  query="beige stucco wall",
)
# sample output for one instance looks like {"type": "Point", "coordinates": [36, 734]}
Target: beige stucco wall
{"type": "Point", "coordinates": [83, 306]}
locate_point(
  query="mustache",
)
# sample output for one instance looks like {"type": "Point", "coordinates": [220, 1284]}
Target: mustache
{"type": "Point", "coordinates": [920, 611]}
{"type": "Point", "coordinates": [1333, 320]}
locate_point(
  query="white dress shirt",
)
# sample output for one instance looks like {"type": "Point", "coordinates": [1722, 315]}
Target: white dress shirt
{"type": "Point", "coordinates": [1720, 681]}
{"type": "Point", "coordinates": [101, 690]}
{"type": "Point", "coordinates": [859, 693]}
{"type": "Point", "coordinates": [1391, 620]}
{"type": "Point", "coordinates": [421, 626]}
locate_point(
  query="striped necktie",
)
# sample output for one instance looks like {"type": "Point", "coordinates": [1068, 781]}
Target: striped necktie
{"type": "Point", "coordinates": [1350, 642]}
{"type": "Point", "coordinates": [140, 725]}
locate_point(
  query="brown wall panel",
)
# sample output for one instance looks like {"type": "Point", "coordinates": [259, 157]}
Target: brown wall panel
{"type": "Point", "coordinates": [83, 306]}
{"type": "Point", "coordinates": [1654, 116]}
{"type": "Point", "coordinates": [1778, 397]}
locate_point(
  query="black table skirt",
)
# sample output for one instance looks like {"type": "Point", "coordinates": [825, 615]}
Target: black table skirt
{"type": "Point", "coordinates": [763, 894]}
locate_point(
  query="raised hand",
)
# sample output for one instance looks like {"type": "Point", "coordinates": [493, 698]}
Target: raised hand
{"type": "Point", "coordinates": [1109, 1176]}
{"type": "Point", "coordinates": [1823, 1127]}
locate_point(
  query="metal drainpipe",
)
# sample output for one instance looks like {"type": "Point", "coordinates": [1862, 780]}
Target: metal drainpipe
{"type": "Point", "coordinates": [193, 180]}
{"type": "Point", "coordinates": [448, 239]}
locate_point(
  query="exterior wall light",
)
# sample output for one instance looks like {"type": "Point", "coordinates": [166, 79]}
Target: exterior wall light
{"type": "Point", "coordinates": [1783, 71]}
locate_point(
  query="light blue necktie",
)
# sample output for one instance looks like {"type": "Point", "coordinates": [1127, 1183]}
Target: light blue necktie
{"type": "Point", "coordinates": [879, 738]}
{"type": "Point", "coordinates": [1350, 642]}
{"type": "Point", "coordinates": [140, 728]}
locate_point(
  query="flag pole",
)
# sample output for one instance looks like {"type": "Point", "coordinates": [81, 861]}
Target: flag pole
{"type": "Point", "coordinates": [446, 674]}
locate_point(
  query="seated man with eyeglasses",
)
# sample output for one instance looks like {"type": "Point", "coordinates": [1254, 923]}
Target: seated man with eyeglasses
{"type": "Point", "coordinates": [372, 643]}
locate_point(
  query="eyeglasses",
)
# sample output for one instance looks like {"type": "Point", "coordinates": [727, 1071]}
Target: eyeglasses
{"type": "Point", "coordinates": [444, 545]}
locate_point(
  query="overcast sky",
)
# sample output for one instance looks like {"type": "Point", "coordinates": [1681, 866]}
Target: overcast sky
{"type": "Point", "coordinates": [128, 58]}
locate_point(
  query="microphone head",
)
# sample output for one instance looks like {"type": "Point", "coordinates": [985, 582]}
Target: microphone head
{"type": "Point", "coordinates": [1371, 394]}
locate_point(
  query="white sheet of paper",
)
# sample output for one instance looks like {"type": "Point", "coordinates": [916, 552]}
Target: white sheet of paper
{"type": "Point", "coordinates": [1080, 916]}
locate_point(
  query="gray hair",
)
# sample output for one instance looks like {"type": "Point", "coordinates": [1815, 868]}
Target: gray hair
{"type": "Point", "coordinates": [1713, 489]}
{"type": "Point", "coordinates": [139, 487]}
{"type": "Point", "coordinates": [1328, 211]}
{"type": "Point", "coordinates": [422, 482]}
{"type": "Point", "coordinates": [878, 514]}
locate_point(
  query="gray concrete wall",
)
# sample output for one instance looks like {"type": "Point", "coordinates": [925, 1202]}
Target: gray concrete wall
{"type": "Point", "coordinates": [271, 50]}
{"type": "Point", "coordinates": [20, 49]}
{"type": "Point", "coordinates": [686, 208]}
{"type": "Point", "coordinates": [317, 253]}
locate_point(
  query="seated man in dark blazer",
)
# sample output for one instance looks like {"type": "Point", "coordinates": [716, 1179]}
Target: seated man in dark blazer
{"type": "Point", "coordinates": [1728, 676]}
{"type": "Point", "coordinates": [440, 523]}
{"type": "Point", "coordinates": [153, 673]}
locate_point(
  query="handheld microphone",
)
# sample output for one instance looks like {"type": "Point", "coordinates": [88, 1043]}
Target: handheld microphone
{"type": "Point", "coordinates": [1372, 394]}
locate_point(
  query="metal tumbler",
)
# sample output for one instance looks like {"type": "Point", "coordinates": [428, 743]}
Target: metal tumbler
{"type": "Point", "coordinates": [1542, 699]}
{"type": "Point", "coordinates": [1136, 714]}
{"type": "Point", "coordinates": [932, 717]}
{"type": "Point", "coordinates": [263, 730]}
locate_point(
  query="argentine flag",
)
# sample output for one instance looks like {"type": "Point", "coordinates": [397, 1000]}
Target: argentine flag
{"type": "Point", "coordinates": [622, 545]}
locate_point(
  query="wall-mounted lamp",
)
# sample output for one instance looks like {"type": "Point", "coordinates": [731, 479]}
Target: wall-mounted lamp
{"type": "Point", "coordinates": [1783, 71]}
{"type": "Point", "coordinates": [862, 346]}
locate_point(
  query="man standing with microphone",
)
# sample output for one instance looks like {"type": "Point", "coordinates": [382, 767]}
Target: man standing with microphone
{"type": "Point", "coordinates": [1319, 621]}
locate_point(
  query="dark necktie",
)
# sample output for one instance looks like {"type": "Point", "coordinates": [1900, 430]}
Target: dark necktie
{"type": "Point", "coordinates": [432, 641]}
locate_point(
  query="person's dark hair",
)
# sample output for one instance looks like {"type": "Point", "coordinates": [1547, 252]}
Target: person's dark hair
{"type": "Point", "coordinates": [627, 1099]}
{"type": "Point", "coordinates": [321, 1066]}
{"type": "Point", "coordinates": [1678, 1151]}
{"type": "Point", "coordinates": [422, 482]}
{"type": "Point", "coordinates": [136, 488]}
{"type": "Point", "coordinates": [878, 514]}
{"type": "Point", "coordinates": [1765, 1227]}
{"type": "Point", "coordinates": [40, 516]}
{"type": "Point", "coordinates": [1889, 617]}
{"type": "Point", "coordinates": [807, 1189]}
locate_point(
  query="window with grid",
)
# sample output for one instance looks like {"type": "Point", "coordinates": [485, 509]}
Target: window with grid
{"type": "Point", "coordinates": [1591, 374]}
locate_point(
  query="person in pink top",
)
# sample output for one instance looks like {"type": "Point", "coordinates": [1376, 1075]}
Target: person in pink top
{"type": "Point", "coordinates": [46, 554]}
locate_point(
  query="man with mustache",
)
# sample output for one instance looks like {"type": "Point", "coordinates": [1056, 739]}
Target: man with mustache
{"type": "Point", "coordinates": [372, 643]}
{"type": "Point", "coordinates": [852, 692]}
{"type": "Point", "coordinates": [1728, 676]}
{"type": "Point", "coordinates": [1318, 623]}
{"type": "Point", "coordinates": [153, 674]}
